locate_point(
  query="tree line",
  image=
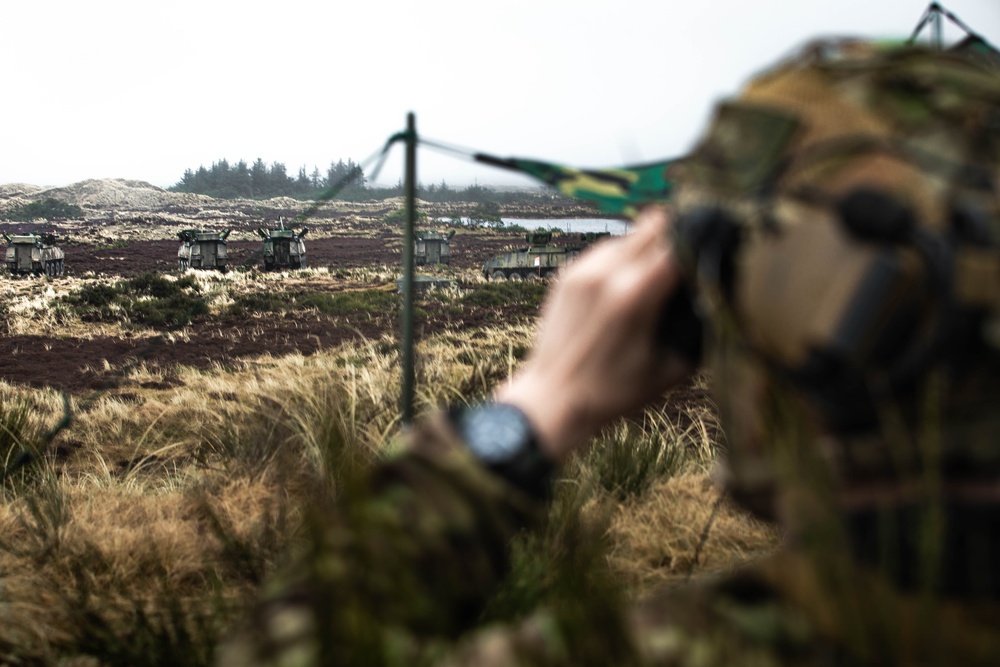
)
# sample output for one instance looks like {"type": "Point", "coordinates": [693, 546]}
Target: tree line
{"type": "Point", "coordinates": [225, 180]}
{"type": "Point", "coordinates": [261, 181]}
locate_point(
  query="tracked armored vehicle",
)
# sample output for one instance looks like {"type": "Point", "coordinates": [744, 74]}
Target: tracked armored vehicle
{"type": "Point", "coordinates": [202, 250]}
{"type": "Point", "coordinates": [283, 248]}
{"type": "Point", "coordinates": [432, 247]}
{"type": "Point", "coordinates": [34, 254]}
{"type": "Point", "coordinates": [539, 260]}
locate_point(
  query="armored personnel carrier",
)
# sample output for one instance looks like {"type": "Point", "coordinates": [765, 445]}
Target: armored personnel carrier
{"type": "Point", "coordinates": [432, 247]}
{"type": "Point", "coordinates": [283, 248]}
{"type": "Point", "coordinates": [539, 260]}
{"type": "Point", "coordinates": [35, 254]}
{"type": "Point", "coordinates": [202, 250]}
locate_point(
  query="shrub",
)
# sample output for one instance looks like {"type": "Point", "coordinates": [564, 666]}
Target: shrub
{"type": "Point", "coordinates": [398, 217]}
{"type": "Point", "coordinates": [486, 214]}
{"type": "Point", "coordinates": [345, 303]}
{"type": "Point", "coordinates": [256, 302]}
{"type": "Point", "coordinates": [94, 296]}
{"type": "Point", "coordinates": [176, 310]}
{"type": "Point", "coordinates": [48, 208]}
{"type": "Point", "coordinates": [155, 285]}
{"type": "Point", "coordinates": [501, 294]}
{"type": "Point", "coordinates": [149, 299]}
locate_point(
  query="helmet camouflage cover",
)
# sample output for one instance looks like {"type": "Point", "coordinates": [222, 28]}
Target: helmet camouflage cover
{"type": "Point", "coordinates": [840, 219]}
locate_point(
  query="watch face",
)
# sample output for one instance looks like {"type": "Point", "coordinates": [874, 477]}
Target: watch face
{"type": "Point", "coordinates": [495, 432]}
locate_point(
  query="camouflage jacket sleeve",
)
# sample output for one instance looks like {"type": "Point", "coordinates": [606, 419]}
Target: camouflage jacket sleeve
{"type": "Point", "coordinates": [410, 555]}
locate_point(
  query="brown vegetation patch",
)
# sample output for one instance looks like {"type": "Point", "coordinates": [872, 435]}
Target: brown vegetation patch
{"type": "Point", "coordinates": [683, 526]}
{"type": "Point", "coordinates": [83, 364]}
{"type": "Point", "coordinates": [79, 364]}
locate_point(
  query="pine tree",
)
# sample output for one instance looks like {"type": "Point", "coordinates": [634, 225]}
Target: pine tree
{"type": "Point", "coordinates": [258, 178]}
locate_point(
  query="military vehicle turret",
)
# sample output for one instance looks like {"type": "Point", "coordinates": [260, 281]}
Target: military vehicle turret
{"type": "Point", "coordinates": [540, 259]}
{"type": "Point", "coordinates": [35, 254]}
{"type": "Point", "coordinates": [202, 250]}
{"type": "Point", "coordinates": [283, 248]}
{"type": "Point", "coordinates": [432, 247]}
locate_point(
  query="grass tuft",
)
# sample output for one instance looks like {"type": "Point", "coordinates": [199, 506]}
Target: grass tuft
{"type": "Point", "coordinates": [150, 300]}
{"type": "Point", "coordinates": [626, 462]}
{"type": "Point", "coordinates": [501, 294]}
{"type": "Point", "coordinates": [20, 444]}
{"type": "Point", "coordinates": [43, 516]}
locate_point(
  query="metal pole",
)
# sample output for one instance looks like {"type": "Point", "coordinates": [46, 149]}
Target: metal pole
{"type": "Point", "coordinates": [406, 399]}
{"type": "Point", "coordinates": [937, 27]}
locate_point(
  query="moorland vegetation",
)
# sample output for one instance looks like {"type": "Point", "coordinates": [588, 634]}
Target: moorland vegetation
{"type": "Point", "coordinates": [141, 510]}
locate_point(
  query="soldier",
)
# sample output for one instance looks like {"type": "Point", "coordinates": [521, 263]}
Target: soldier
{"type": "Point", "coordinates": [839, 222]}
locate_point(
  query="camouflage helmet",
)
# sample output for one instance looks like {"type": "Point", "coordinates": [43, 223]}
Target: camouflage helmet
{"type": "Point", "coordinates": [841, 221]}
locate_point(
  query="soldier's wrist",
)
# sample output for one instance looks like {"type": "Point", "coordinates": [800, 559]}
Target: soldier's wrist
{"type": "Point", "coordinates": [560, 425]}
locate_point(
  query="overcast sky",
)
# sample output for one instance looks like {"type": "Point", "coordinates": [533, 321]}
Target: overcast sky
{"type": "Point", "coordinates": [144, 90]}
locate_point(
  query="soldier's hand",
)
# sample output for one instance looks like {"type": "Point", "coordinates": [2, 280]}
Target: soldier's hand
{"type": "Point", "coordinates": [595, 357]}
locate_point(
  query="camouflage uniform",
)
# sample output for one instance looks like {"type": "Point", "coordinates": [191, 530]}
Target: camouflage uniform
{"type": "Point", "coordinates": [402, 571]}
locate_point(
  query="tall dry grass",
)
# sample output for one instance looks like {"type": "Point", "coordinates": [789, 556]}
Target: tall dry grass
{"type": "Point", "coordinates": [139, 534]}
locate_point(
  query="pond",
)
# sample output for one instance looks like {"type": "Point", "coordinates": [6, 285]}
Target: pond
{"type": "Point", "coordinates": [573, 225]}
{"type": "Point", "coordinates": [568, 225]}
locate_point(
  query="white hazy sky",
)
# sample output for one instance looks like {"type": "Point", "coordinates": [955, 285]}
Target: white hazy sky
{"type": "Point", "coordinates": [145, 89]}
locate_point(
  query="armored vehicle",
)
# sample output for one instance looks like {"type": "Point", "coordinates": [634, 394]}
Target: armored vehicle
{"type": "Point", "coordinates": [202, 250]}
{"type": "Point", "coordinates": [283, 248]}
{"type": "Point", "coordinates": [539, 260]}
{"type": "Point", "coordinates": [432, 247]}
{"type": "Point", "coordinates": [34, 254]}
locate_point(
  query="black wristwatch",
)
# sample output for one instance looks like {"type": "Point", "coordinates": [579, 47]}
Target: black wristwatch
{"type": "Point", "coordinates": [502, 439]}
